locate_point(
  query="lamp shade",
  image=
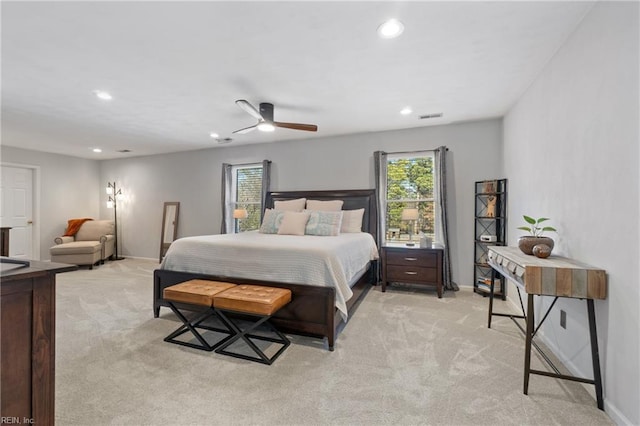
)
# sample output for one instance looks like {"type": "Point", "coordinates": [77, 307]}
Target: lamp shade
{"type": "Point", "coordinates": [409, 214]}
{"type": "Point", "coordinates": [240, 214]}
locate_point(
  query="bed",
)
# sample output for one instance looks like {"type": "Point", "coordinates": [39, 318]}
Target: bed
{"type": "Point", "coordinates": [317, 308]}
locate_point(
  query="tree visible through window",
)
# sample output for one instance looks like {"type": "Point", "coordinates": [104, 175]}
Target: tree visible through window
{"type": "Point", "coordinates": [410, 185]}
{"type": "Point", "coordinates": [247, 188]}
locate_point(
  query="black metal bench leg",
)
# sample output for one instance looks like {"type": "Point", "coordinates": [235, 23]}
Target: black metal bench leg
{"type": "Point", "coordinates": [246, 336]}
{"type": "Point", "coordinates": [193, 324]}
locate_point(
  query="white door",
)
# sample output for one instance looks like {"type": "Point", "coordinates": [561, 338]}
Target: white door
{"type": "Point", "coordinates": [16, 209]}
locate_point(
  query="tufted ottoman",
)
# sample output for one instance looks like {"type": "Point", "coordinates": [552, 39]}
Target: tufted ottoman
{"type": "Point", "coordinates": [257, 302]}
{"type": "Point", "coordinates": [196, 293]}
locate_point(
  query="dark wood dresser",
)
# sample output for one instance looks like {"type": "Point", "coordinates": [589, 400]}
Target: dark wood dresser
{"type": "Point", "coordinates": [27, 342]}
{"type": "Point", "coordinates": [414, 265]}
{"type": "Point", "coordinates": [4, 240]}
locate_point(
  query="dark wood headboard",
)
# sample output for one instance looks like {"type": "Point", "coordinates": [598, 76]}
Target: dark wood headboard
{"type": "Point", "coordinates": [353, 199]}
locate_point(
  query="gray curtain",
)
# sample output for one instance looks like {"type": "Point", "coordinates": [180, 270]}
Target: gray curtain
{"type": "Point", "coordinates": [227, 213]}
{"type": "Point", "coordinates": [380, 165]}
{"type": "Point", "coordinates": [441, 182]}
{"type": "Point", "coordinates": [266, 185]}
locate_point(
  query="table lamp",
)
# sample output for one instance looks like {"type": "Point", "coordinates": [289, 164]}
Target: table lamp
{"type": "Point", "coordinates": [410, 215]}
{"type": "Point", "coordinates": [239, 214]}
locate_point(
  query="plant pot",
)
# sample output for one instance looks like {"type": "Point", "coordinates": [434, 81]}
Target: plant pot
{"type": "Point", "coordinates": [526, 243]}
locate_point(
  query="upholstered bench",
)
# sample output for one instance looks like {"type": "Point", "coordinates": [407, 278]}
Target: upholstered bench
{"type": "Point", "coordinates": [197, 293]}
{"type": "Point", "coordinates": [257, 302]}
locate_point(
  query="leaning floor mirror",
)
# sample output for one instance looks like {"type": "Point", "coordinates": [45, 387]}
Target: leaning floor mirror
{"type": "Point", "coordinates": [169, 226]}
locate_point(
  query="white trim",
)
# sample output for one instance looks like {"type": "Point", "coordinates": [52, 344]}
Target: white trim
{"type": "Point", "coordinates": [35, 229]}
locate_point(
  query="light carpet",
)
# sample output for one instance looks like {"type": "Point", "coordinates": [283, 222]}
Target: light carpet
{"type": "Point", "coordinates": [405, 358]}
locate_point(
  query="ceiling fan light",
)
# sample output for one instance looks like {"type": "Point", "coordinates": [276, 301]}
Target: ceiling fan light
{"type": "Point", "coordinates": [266, 127]}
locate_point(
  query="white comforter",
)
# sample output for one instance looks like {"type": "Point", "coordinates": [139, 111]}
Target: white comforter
{"type": "Point", "coordinates": [313, 260]}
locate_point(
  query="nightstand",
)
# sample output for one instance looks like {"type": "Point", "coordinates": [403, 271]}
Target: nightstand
{"type": "Point", "coordinates": [413, 265]}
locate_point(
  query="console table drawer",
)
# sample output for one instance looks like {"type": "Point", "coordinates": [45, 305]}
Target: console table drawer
{"type": "Point", "coordinates": [412, 258]}
{"type": "Point", "coordinates": [411, 274]}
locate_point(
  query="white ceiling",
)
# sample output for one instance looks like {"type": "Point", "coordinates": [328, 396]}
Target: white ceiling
{"type": "Point", "coordinates": [176, 68]}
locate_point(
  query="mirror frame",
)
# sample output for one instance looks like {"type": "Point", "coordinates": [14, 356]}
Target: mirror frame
{"type": "Point", "coordinates": [165, 246]}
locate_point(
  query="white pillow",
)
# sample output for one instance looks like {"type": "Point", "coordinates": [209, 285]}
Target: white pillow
{"type": "Point", "coordinates": [325, 206]}
{"type": "Point", "coordinates": [351, 221]}
{"type": "Point", "coordinates": [290, 205]}
{"type": "Point", "coordinates": [326, 224]}
{"type": "Point", "coordinates": [293, 223]}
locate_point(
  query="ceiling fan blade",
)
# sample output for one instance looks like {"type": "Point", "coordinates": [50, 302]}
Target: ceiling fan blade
{"type": "Point", "coordinates": [246, 129]}
{"type": "Point", "coordinates": [296, 126]}
{"type": "Point", "coordinates": [249, 108]}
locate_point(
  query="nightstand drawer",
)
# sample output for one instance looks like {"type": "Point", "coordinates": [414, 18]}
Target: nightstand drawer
{"type": "Point", "coordinates": [411, 274]}
{"type": "Point", "coordinates": [412, 258]}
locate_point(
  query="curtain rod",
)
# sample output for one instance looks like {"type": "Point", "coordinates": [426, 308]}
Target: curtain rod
{"type": "Point", "coordinates": [248, 164]}
{"type": "Point", "coordinates": [412, 152]}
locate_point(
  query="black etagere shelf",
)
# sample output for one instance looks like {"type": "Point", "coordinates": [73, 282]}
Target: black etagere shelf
{"type": "Point", "coordinates": [490, 229]}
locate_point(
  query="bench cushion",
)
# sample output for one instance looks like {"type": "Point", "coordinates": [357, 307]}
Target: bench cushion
{"type": "Point", "coordinates": [195, 292]}
{"type": "Point", "coordinates": [252, 299]}
{"type": "Point", "coordinates": [76, 247]}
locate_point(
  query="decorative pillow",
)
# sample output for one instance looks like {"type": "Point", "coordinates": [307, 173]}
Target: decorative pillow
{"type": "Point", "coordinates": [271, 221]}
{"type": "Point", "coordinates": [325, 206]}
{"type": "Point", "coordinates": [293, 223]}
{"type": "Point", "coordinates": [351, 221]}
{"type": "Point", "coordinates": [324, 223]}
{"type": "Point", "coordinates": [290, 205]}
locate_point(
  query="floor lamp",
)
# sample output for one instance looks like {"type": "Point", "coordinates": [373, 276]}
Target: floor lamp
{"type": "Point", "coordinates": [114, 194]}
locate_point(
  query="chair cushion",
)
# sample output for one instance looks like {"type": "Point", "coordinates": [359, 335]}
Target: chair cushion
{"type": "Point", "coordinates": [76, 247]}
{"type": "Point", "coordinates": [195, 292]}
{"type": "Point", "coordinates": [252, 299]}
{"type": "Point", "coordinates": [93, 229]}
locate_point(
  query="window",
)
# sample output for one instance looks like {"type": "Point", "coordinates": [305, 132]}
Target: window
{"type": "Point", "coordinates": [411, 197]}
{"type": "Point", "coordinates": [246, 193]}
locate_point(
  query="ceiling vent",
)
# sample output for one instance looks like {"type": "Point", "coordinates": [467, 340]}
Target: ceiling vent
{"type": "Point", "coordinates": [225, 140]}
{"type": "Point", "coordinates": [434, 115]}
{"type": "Point", "coordinates": [124, 150]}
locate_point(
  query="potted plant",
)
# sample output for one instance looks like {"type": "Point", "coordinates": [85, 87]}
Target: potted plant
{"type": "Point", "coordinates": [527, 243]}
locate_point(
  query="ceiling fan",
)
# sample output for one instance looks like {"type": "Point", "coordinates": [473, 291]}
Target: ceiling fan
{"type": "Point", "coordinates": [265, 119]}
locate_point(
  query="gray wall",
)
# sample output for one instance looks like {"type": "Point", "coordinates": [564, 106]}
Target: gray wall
{"type": "Point", "coordinates": [571, 154]}
{"type": "Point", "coordinates": [193, 179]}
{"type": "Point", "coordinates": [69, 188]}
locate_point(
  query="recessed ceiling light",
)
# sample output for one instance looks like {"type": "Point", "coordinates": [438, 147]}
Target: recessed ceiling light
{"type": "Point", "coordinates": [101, 94]}
{"type": "Point", "coordinates": [97, 150]}
{"type": "Point", "coordinates": [266, 127]}
{"type": "Point", "coordinates": [406, 111]}
{"type": "Point", "coordinates": [390, 29]}
{"type": "Point", "coordinates": [214, 135]}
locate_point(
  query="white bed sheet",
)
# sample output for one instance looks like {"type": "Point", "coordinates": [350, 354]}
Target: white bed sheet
{"type": "Point", "coordinates": [313, 260]}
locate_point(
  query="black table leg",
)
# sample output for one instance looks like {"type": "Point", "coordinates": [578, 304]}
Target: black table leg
{"type": "Point", "coordinates": [595, 356]}
{"type": "Point", "coordinates": [491, 291]}
{"type": "Point", "coordinates": [529, 337]}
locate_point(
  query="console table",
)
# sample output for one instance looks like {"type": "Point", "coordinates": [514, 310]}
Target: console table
{"type": "Point", "coordinates": [554, 276]}
{"type": "Point", "coordinates": [27, 339]}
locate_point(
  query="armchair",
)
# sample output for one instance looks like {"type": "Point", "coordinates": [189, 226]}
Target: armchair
{"type": "Point", "coordinates": [92, 244]}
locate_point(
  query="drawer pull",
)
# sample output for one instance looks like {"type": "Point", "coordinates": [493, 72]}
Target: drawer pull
{"type": "Point", "coordinates": [411, 273]}
{"type": "Point", "coordinates": [411, 258]}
